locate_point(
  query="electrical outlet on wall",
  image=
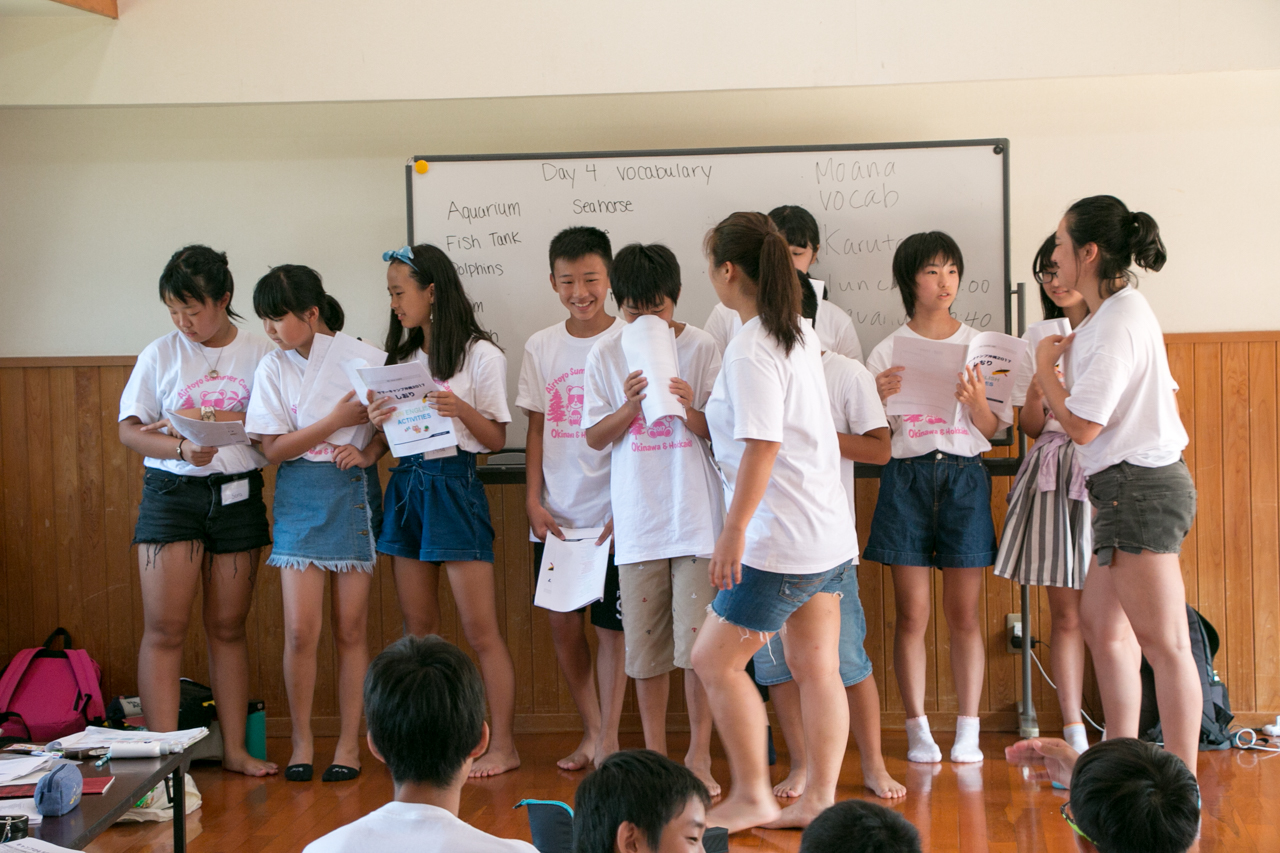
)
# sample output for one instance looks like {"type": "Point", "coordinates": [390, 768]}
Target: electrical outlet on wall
{"type": "Point", "coordinates": [1012, 630]}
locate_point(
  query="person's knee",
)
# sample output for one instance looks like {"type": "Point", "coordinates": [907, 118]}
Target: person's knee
{"type": "Point", "coordinates": [912, 618]}
{"type": "Point", "coordinates": [225, 628]}
{"type": "Point", "coordinates": [1066, 622]}
{"type": "Point", "coordinates": [302, 639]}
{"type": "Point", "coordinates": [351, 633]}
{"type": "Point", "coordinates": [166, 631]}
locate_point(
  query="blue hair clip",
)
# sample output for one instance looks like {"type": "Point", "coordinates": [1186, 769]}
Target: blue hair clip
{"type": "Point", "coordinates": [404, 254]}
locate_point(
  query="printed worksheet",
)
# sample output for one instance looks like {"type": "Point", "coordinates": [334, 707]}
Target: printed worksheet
{"type": "Point", "coordinates": [998, 356]}
{"type": "Point", "coordinates": [929, 378]}
{"type": "Point", "coordinates": [208, 433]}
{"type": "Point", "coordinates": [649, 345]}
{"type": "Point", "coordinates": [330, 380]}
{"type": "Point", "coordinates": [415, 426]}
{"type": "Point", "coordinates": [572, 571]}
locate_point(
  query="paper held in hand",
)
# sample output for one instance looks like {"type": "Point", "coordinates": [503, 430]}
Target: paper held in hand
{"type": "Point", "coordinates": [649, 345]}
{"type": "Point", "coordinates": [415, 426]}
{"type": "Point", "coordinates": [572, 571]}
{"type": "Point", "coordinates": [933, 370]}
{"type": "Point", "coordinates": [328, 378]}
{"type": "Point", "coordinates": [208, 433]}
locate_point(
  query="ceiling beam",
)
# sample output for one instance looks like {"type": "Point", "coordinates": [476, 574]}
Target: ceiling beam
{"type": "Point", "coordinates": [106, 8]}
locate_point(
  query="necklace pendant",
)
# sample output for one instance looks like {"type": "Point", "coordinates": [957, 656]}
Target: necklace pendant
{"type": "Point", "coordinates": [212, 374]}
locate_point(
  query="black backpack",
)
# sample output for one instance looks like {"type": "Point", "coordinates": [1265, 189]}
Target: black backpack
{"type": "Point", "coordinates": [1216, 716]}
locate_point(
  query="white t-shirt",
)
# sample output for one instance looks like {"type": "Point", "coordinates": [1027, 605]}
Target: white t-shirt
{"type": "Point", "coordinates": [802, 524]}
{"type": "Point", "coordinates": [481, 384]}
{"type": "Point", "coordinates": [916, 435]}
{"type": "Point", "coordinates": [414, 828]}
{"type": "Point", "coordinates": [1118, 376]}
{"type": "Point", "coordinates": [172, 373]}
{"type": "Point", "coordinates": [575, 478]}
{"type": "Point", "coordinates": [855, 408]}
{"type": "Point", "coordinates": [1022, 383]}
{"type": "Point", "coordinates": [835, 329]}
{"type": "Point", "coordinates": [665, 493]}
{"type": "Point", "coordinates": [277, 385]}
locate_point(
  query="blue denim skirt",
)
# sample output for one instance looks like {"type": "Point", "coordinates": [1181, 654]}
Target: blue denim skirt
{"type": "Point", "coordinates": [437, 511]}
{"type": "Point", "coordinates": [325, 517]}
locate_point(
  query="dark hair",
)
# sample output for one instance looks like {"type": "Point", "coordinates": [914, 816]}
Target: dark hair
{"type": "Point", "coordinates": [295, 289]}
{"type": "Point", "coordinates": [917, 252]}
{"type": "Point", "coordinates": [1043, 269]}
{"type": "Point", "coordinates": [453, 320]}
{"type": "Point", "coordinates": [639, 786]}
{"type": "Point", "coordinates": [1122, 238]}
{"type": "Point", "coordinates": [1129, 796]}
{"type": "Point", "coordinates": [198, 274]}
{"type": "Point", "coordinates": [424, 704]}
{"type": "Point", "coordinates": [578, 242]}
{"type": "Point", "coordinates": [808, 298]}
{"type": "Point", "coordinates": [643, 275]}
{"type": "Point", "coordinates": [856, 826]}
{"type": "Point", "coordinates": [753, 243]}
{"type": "Point", "coordinates": [797, 225]}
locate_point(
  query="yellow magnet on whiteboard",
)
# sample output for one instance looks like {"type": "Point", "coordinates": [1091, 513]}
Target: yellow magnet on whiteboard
{"type": "Point", "coordinates": [421, 167]}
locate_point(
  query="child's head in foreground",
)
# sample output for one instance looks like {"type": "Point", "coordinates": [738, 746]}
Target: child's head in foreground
{"type": "Point", "coordinates": [646, 280]}
{"type": "Point", "coordinates": [424, 702]}
{"type": "Point", "coordinates": [640, 800]}
{"type": "Point", "coordinates": [1133, 797]}
{"type": "Point", "coordinates": [927, 267]}
{"type": "Point", "coordinates": [855, 826]}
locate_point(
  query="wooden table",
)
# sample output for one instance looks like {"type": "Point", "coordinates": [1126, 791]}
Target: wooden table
{"type": "Point", "coordinates": [134, 778]}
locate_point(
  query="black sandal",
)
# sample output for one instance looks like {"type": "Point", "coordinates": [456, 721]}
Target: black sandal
{"type": "Point", "coordinates": [298, 773]}
{"type": "Point", "coordinates": [339, 773]}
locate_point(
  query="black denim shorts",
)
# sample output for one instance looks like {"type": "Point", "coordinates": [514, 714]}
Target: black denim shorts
{"type": "Point", "coordinates": [177, 508]}
{"type": "Point", "coordinates": [1141, 509]}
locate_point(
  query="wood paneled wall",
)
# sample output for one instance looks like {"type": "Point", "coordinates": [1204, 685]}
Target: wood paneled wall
{"type": "Point", "coordinates": [69, 493]}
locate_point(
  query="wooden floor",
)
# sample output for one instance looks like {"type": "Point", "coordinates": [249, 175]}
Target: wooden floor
{"type": "Point", "coordinates": [986, 807]}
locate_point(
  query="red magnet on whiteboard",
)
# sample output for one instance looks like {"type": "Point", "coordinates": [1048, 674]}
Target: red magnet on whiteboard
{"type": "Point", "coordinates": [421, 167]}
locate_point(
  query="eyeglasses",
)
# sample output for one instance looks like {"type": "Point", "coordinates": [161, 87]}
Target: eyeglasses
{"type": "Point", "coordinates": [404, 254]}
{"type": "Point", "coordinates": [1066, 815]}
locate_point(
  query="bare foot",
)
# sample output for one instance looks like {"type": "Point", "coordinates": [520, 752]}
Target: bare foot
{"type": "Point", "coordinates": [493, 763]}
{"type": "Point", "coordinates": [793, 785]}
{"type": "Point", "coordinates": [248, 765]}
{"type": "Point", "coordinates": [800, 814]}
{"type": "Point", "coordinates": [580, 758]}
{"type": "Point", "coordinates": [737, 814]}
{"type": "Point", "coordinates": [880, 783]}
{"type": "Point", "coordinates": [605, 748]}
{"type": "Point", "coordinates": [702, 769]}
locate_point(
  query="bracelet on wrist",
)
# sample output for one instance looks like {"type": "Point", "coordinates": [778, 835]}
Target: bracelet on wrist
{"type": "Point", "coordinates": [181, 442]}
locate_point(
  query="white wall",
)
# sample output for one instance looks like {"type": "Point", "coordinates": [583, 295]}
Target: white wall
{"type": "Point", "coordinates": [95, 199]}
{"type": "Point", "coordinates": [264, 51]}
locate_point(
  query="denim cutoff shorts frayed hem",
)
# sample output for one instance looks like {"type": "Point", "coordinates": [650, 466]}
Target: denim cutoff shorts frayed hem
{"type": "Point", "coordinates": [763, 601]}
{"type": "Point", "coordinates": [1140, 509]}
{"type": "Point", "coordinates": [436, 511]}
{"type": "Point", "coordinates": [183, 508]}
{"type": "Point", "coordinates": [325, 517]}
{"type": "Point", "coordinates": [933, 510]}
{"type": "Point", "coordinates": [770, 661]}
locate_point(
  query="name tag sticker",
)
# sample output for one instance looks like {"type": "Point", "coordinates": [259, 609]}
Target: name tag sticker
{"type": "Point", "coordinates": [235, 491]}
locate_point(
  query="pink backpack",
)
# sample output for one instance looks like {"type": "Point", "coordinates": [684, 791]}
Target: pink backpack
{"type": "Point", "coordinates": [47, 693]}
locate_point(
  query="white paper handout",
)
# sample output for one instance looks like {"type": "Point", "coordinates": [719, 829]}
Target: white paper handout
{"type": "Point", "coordinates": [12, 769]}
{"type": "Point", "coordinates": [95, 737]}
{"type": "Point", "coordinates": [330, 381]}
{"type": "Point", "coordinates": [34, 845]}
{"type": "Point", "coordinates": [649, 345]}
{"type": "Point", "coordinates": [208, 433]}
{"type": "Point", "coordinates": [26, 806]}
{"type": "Point", "coordinates": [415, 426]}
{"type": "Point", "coordinates": [572, 571]}
{"type": "Point", "coordinates": [1037, 332]}
{"type": "Point", "coordinates": [933, 370]}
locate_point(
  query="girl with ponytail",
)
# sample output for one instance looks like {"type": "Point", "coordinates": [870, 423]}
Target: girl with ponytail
{"type": "Point", "coordinates": [787, 546]}
{"type": "Point", "coordinates": [1119, 409]}
{"type": "Point", "coordinates": [328, 503]}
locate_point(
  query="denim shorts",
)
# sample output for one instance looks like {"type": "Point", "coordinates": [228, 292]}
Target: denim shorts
{"type": "Point", "coordinates": [771, 664]}
{"type": "Point", "coordinates": [763, 601]}
{"type": "Point", "coordinates": [436, 511]}
{"type": "Point", "coordinates": [605, 613]}
{"type": "Point", "coordinates": [933, 510]}
{"type": "Point", "coordinates": [325, 517]}
{"type": "Point", "coordinates": [1140, 509]}
{"type": "Point", "coordinates": [180, 508]}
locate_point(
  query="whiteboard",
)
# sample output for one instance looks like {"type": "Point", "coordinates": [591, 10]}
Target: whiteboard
{"type": "Point", "coordinates": [495, 216]}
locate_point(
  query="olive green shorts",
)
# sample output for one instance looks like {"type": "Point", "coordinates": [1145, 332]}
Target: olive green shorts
{"type": "Point", "coordinates": [1141, 509]}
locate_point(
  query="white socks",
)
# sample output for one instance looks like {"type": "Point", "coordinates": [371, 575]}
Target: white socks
{"type": "Point", "coordinates": [920, 746]}
{"type": "Point", "coordinates": [1076, 735]}
{"type": "Point", "coordinates": [965, 750]}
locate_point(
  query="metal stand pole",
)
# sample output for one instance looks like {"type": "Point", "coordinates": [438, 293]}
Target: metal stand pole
{"type": "Point", "coordinates": [1028, 726]}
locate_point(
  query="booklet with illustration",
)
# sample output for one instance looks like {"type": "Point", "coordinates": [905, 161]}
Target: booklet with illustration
{"type": "Point", "coordinates": [572, 571]}
{"type": "Point", "coordinates": [415, 426]}
{"type": "Point", "coordinates": [933, 370]}
{"type": "Point", "coordinates": [208, 433]}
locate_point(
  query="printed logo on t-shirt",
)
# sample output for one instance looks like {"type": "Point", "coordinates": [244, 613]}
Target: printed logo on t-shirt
{"type": "Point", "coordinates": [658, 432]}
{"type": "Point", "coordinates": [228, 399]}
{"type": "Point", "coordinates": [913, 432]}
{"type": "Point", "coordinates": [565, 404]}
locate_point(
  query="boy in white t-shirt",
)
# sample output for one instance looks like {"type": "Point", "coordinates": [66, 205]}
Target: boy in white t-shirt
{"type": "Point", "coordinates": [934, 508]}
{"type": "Point", "coordinates": [567, 483]}
{"type": "Point", "coordinates": [666, 498]}
{"type": "Point", "coordinates": [424, 702]}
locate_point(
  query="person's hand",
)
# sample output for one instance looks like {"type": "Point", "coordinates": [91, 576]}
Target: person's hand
{"type": "Point", "coordinates": [348, 456]}
{"type": "Point", "coordinates": [542, 523]}
{"type": "Point", "coordinates": [1051, 350]}
{"type": "Point", "coordinates": [606, 533]}
{"type": "Point", "coordinates": [446, 403]}
{"type": "Point", "coordinates": [889, 382]}
{"type": "Point", "coordinates": [349, 412]}
{"type": "Point", "coordinates": [972, 389]}
{"type": "Point", "coordinates": [683, 391]}
{"type": "Point", "coordinates": [379, 410]}
{"type": "Point", "coordinates": [1057, 756]}
{"type": "Point", "coordinates": [633, 386]}
{"type": "Point", "coordinates": [160, 425]}
{"type": "Point", "coordinates": [725, 568]}
{"type": "Point", "coordinates": [197, 455]}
